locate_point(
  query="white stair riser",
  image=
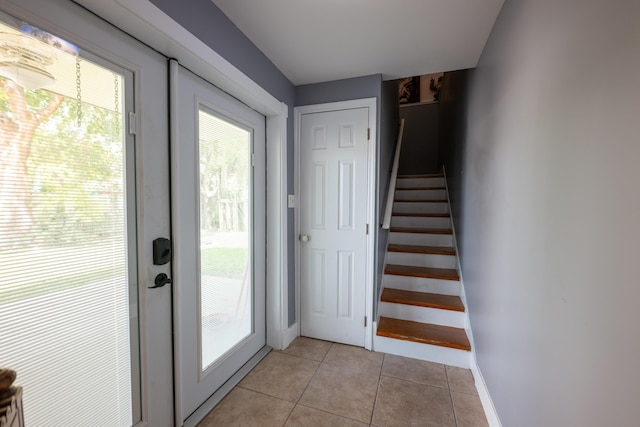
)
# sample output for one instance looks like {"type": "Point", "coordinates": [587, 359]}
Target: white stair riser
{"type": "Point", "coordinates": [402, 194]}
{"type": "Point", "coordinates": [419, 182]}
{"type": "Point", "coordinates": [421, 239]}
{"type": "Point", "coordinates": [421, 284]}
{"type": "Point", "coordinates": [421, 260]}
{"type": "Point", "coordinates": [436, 316]}
{"type": "Point", "coordinates": [420, 222]}
{"type": "Point", "coordinates": [428, 352]}
{"type": "Point", "coordinates": [420, 207]}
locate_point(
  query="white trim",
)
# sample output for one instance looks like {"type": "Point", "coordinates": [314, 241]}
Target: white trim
{"type": "Point", "coordinates": [371, 104]}
{"type": "Point", "coordinates": [277, 270]}
{"type": "Point", "coordinates": [485, 397]}
{"type": "Point", "coordinates": [290, 334]}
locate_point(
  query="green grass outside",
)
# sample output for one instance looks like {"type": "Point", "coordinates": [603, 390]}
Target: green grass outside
{"type": "Point", "coordinates": [218, 262]}
{"type": "Point", "coordinates": [224, 262]}
{"type": "Point", "coordinates": [55, 284]}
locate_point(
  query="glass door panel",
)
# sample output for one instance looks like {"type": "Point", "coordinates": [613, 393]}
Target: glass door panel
{"type": "Point", "coordinates": [225, 236]}
{"type": "Point", "coordinates": [68, 254]}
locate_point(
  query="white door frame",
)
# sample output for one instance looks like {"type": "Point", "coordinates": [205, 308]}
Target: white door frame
{"type": "Point", "coordinates": [370, 103]}
{"type": "Point", "coordinates": [148, 23]}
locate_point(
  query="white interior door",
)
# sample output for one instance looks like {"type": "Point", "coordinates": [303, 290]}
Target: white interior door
{"type": "Point", "coordinates": [218, 188]}
{"type": "Point", "coordinates": [334, 206]}
{"type": "Point", "coordinates": [82, 198]}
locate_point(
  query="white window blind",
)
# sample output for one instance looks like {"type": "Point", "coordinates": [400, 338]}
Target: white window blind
{"type": "Point", "coordinates": [64, 296]}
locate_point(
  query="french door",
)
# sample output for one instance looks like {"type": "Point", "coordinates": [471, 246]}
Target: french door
{"type": "Point", "coordinates": [218, 206]}
{"type": "Point", "coordinates": [82, 198]}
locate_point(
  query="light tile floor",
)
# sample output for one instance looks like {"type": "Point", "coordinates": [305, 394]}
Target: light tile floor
{"type": "Point", "coordinates": [318, 383]}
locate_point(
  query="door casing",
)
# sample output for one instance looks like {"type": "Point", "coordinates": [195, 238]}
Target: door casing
{"type": "Point", "coordinates": [371, 104]}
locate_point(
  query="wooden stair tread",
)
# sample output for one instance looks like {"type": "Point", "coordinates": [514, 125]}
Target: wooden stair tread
{"type": "Point", "coordinates": [425, 272]}
{"type": "Point", "coordinates": [424, 333]}
{"type": "Point", "coordinates": [418, 249]}
{"type": "Point", "coordinates": [422, 299]}
{"type": "Point", "coordinates": [420, 200]}
{"type": "Point", "coordinates": [420, 230]}
{"type": "Point", "coordinates": [420, 188]}
{"type": "Point", "coordinates": [422, 215]}
{"type": "Point", "coordinates": [429, 175]}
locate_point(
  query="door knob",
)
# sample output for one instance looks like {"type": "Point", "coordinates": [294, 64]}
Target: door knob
{"type": "Point", "coordinates": [161, 280]}
{"type": "Point", "coordinates": [305, 237]}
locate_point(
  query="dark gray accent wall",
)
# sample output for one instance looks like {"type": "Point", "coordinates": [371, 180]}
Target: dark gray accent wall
{"type": "Point", "coordinates": [419, 154]}
{"type": "Point", "coordinates": [549, 211]}
{"type": "Point", "coordinates": [207, 22]}
{"type": "Point", "coordinates": [389, 127]}
{"type": "Point", "coordinates": [453, 137]}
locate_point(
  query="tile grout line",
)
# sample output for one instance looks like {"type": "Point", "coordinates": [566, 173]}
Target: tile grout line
{"type": "Point", "coordinates": [297, 402]}
{"type": "Point", "coordinates": [375, 400]}
{"type": "Point", "coordinates": [453, 408]}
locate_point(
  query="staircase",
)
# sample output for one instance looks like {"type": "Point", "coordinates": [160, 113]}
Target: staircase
{"type": "Point", "coordinates": [421, 313]}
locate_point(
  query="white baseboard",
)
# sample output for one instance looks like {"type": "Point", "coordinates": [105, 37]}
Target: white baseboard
{"type": "Point", "coordinates": [289, 335]}
{"type": "Point", "coordinates": [485, 397]}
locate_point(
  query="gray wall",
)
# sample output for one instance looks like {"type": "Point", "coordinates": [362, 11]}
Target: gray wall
{"type": "Point", "coordinates": [550, 212]}
{"type": "Point", "coordinates": [419, 154]}
{"type": "Point", "coordinates": [339, 90]}
{"type": "Point", "coordinates": [389, 123]}
{"type": "Point", "coordinates": [207, 22]}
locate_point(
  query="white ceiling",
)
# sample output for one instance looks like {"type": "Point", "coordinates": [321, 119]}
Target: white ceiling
{"type": "Point", "coordinates": [313, 41]}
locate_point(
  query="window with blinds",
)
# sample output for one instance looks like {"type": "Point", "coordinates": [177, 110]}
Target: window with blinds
{"type": "Point", "coordinates": [65, 304]}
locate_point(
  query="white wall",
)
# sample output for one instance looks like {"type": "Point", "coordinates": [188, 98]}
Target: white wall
{"type": "Point", "coordinates": [551, 212]}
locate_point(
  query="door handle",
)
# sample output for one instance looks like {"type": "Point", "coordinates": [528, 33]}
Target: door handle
{"type": "Point", "coordinates": [161, 280]}
{"type": "Point", "coordinates": [305, 237]}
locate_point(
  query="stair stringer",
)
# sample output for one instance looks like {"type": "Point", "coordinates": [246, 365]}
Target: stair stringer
{"type": "Point", "coordinates": [463, 294]}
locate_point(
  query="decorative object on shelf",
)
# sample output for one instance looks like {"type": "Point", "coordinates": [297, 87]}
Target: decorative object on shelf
{"type": "Point", "coordinates": [26, 60]}
{"type": "Point", "coordinates": [435, 84]}
{"type": "Point", "coordinates": [7, 377]}
{"type": "Point", "coordinates": [10, 400]}
{"type": "Point", "coordinates": [409, 90]}
{"type": "Point", "coordinates": [11, 412]}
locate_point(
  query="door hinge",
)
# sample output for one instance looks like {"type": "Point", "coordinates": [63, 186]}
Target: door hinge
{"type": "Point", "coordinates": [253, 159]}
{"type": "Point", "coordinates": [365, 321]}
{"type": "Point", "coordinates": [133, 123]}
{"type": "Point", "coordinates": [368, 134]}
{"type": "Point", "coordinates": [367, 229]}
